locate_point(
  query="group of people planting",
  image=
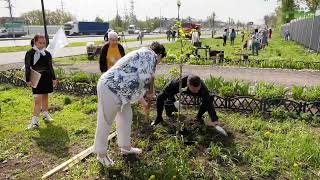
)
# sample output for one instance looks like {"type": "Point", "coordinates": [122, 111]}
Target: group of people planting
{"type": "Point", "coordinates": [256, 40]}
{"type": "Point", "coordinates": [125, 79]}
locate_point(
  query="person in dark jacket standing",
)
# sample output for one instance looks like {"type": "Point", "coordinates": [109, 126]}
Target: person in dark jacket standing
{"type": "Point", "coordinates": [111, 52]}
{"type": "Point", "coordinates": [39, 60]}
{"type": "Point", "coordinates": [270, 33]}
{"type": "Point", "coordinates": [225, 37]}
{"type": "Point", "coordinates": [232, 37]}
{"type": "Point", "coordinates": [195, 87]}
{"type": "Point", "coordinates": [174, 34]}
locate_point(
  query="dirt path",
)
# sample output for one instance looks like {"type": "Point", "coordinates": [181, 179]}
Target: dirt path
{"type": "Point", "coordinates": [278, 76]}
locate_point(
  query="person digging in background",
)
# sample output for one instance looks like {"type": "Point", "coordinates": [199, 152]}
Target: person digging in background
{"type": "Point", "coordinates": [174, 35]}
{"type": "Point", "coordinates": [242, 36]}
{"type": "Point", "coordinates": [125, 83]}
{"type": "Point", "coordinates": [195, 87]}
{"type": "Point", "coordinates": [140, 37]}
{"type": "Point", "coordinates": [255, 42]}
{"type": "Point", "coordinates": [169, 35]}
{"type": "Point", "coordinates": [111, 52]}
{"type": "Point", "coordinates": [232, 37]}
{"type": "Point", "coordinates": [40, 60]}
{"type": "Point", "coordinates": [225, 37]}
{"type": "Point", "coordinates": [195, 38]}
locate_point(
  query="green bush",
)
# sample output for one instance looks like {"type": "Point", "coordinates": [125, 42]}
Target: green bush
{"type": "Point", "coordinates": [279, 114]}
{"type": "Point", "coordinates": [214, 84]}
{"type": "Point", "coordinates": [82, 77]}
{"type": "Point", "coordinates": [311, 94]}
{"type": "Point", "coordinates": [171, 58]}
{"type": "Point", "coordinates": [297, 92]}
{"type": "Point", "coordinates": [60, 73]}
{"type": "Point", "coordinates": [5, 87]}
{"type": "Point", "coordinates": [241, 88]}
{"type": "Point", "coordinates": [226, 91]}
{"type": "Point", "coordinates": [269, 90]}
{"type": "Point", "coordinates": [67, 100]}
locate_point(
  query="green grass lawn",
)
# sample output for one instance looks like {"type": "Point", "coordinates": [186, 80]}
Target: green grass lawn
{"type": "Point", "coordinates": [74, 44]}
{"type": "Point", "coordinates": [256, 148]}
{"type": "Point", "coordinates": [279, 54]}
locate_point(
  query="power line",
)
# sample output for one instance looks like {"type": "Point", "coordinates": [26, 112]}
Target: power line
{"type": "Point", "coordinates": [132, 7]}
{"type": "Point", "coordinates": [62, 5]}
{"type": "Point", "coordinates": [117, 8]}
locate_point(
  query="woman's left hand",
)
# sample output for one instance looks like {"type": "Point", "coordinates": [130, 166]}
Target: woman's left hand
{"type": "Point", "coordinates": [151, 94]}
{"type": "Point", "coordinates": [146, 108]}
{"type": "Point", "coordinates": [54, 82]}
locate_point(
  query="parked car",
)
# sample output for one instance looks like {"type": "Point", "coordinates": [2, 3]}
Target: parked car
{"type": "Point", "coordinates": [4, 33]}
{"type": "Point", "coordinates": [160, 30]}
{"type": "Point", "coordinates": [146, 31]}
{"type": "Point", "coordinates": [136, 31]}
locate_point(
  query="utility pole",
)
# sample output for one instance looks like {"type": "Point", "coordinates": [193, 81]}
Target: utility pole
{"type": "Point", "coordinates": [117, 7]}
{"type": "Point", "coordinates": [160, 21]}
{"type": "Point", "coordinates": [10, 7]}
{"type": "Point", "coordinates": [132, 17]}
{"type": "Point", "coordinates": [212, 28]}
{"type": "Point", "coordinates": [62, 6]}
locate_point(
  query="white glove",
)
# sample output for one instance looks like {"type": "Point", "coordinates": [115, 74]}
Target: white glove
{"type": "Point", "coordinates": [221, 130]}
{"type": "Point", "coordinates": [176, 104]}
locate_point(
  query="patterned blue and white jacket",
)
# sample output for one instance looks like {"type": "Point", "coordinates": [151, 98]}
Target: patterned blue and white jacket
{"type": "Point", "coordinates": [131, 76]}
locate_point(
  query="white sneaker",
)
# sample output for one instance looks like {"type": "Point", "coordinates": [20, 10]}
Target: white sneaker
{"type": "Point", "coordinates": [33, 125]}
{"type": "Point", "coordinates": [47, 118]}
{"type": "Point", "coordinates": [131, 151]}
{"type": "Point", "coordinates": [105, 160]}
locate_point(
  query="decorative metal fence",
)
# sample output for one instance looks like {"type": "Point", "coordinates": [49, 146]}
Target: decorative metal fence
{"type": "Point", "coordinates": [245, 104]}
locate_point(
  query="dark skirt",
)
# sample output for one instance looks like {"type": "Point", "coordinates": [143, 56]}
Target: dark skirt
{"type": "Point", "coordinates": [45, 85]}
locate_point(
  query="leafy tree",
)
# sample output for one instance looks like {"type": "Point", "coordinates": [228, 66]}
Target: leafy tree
{"type": "Point", "coordinates": [99, 19]}
{"type": "Point", "coordinates": [117, 23]}
{"type": "Point", "coordinates": [211, 19]}
{"type": "Point", "coordinates": [57, 17]}
{"type": "Point", "coordinates": [312, 4]}
{"type": "Point", "coordinates": [270, 20]}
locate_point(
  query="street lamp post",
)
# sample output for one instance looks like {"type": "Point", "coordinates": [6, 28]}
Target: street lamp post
{"type": "Point", "coordinates": [212, 31]}
{"type": "Point", "coordinates": [180, 73]}
{"type": "Point", "coordinates": [45, 22]}
{"type": "Point", "coordinates": [178, 4]}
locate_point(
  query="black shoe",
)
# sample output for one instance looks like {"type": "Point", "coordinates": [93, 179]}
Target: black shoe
{"type": "Point", "coordinates": [171, 115]}
{"type": "Point", "coordinates": [200, 120]}
{"type": "Point", "coordinates": [157, 121]}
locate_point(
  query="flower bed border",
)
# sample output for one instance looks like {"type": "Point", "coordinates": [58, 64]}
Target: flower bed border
{"type": "Point", "coordinates": [245, 104]}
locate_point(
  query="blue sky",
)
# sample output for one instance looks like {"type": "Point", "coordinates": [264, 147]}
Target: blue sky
{"type": "Point", "coordinates": [244, 10]}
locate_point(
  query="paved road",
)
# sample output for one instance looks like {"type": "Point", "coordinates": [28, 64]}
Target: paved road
{"type": "Point", "coordinates": [17, 57]}
{"type": "Point", "coordinates": [279, 76]}
{"type": "Point", "coordinates": [25, 42]}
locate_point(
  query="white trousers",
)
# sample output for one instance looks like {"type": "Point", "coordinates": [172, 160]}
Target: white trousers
{"type": "Point", "coordinates": [109, 108]}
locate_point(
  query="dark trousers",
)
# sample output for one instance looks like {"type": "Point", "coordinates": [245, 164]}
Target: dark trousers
{"type": "Point", "coordinates": [165, 101]}
{"type": "Point", "coordinates": [224, 41]}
